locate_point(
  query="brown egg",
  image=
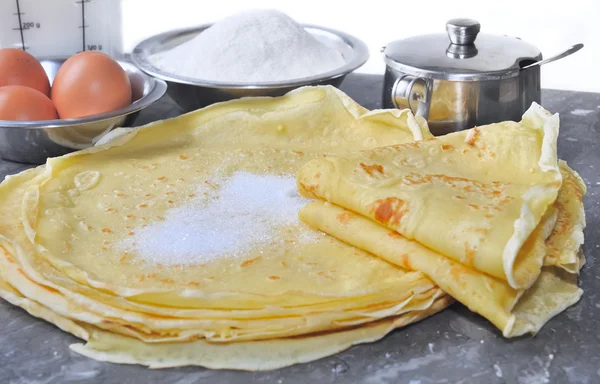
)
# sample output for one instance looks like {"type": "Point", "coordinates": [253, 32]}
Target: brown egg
{"type": "Point", "coordinates": [18, 102]}
{"type": "Point", "coordinates": [89, 83]}
{"type": "Point", "coordinates": [18, 67]}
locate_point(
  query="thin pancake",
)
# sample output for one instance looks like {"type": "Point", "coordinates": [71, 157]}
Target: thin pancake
{"type": "Point", "coordinates": [513, 311]}
{"type": "Point", "coordinates": [555, 240]}
{"type": "Point", "coordinates": [475, 196]}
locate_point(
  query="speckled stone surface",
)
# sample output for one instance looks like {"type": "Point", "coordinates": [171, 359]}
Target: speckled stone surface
{"type": "Point", "coordinates": [454, 346]}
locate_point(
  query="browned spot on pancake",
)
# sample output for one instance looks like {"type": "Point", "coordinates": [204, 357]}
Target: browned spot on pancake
{"type": "Point", "coordinates": [405, 261]}
{"type": "Point", "coordinates": [249, 262]}
{"type": "Point", "coordinates": [167, 281]}
{"type": "Point", "coordinates": [274, 277]}
{"type": "Point", "coordinates": [469, 254]}
{"type": "Point", "coordinates": [574, 186]}
{"type": "Point", "coordinates": [345, 217]}
{"type": "Point", "coordinates": [109, 210]}
{"type": "Point", "coordinates": [283, 264]}
{"type": "Point", "coordinates": [161, 178]}
{"type": "Point", "coordinates": [193, 284]}
{"type": "Point", "coordinates": [170, 201]}
{"type": "Point", "coordinates": [390, 210]}
{"type": "Point", "coordinates": [324, 275]}
{"type": "Point", "coordinates": [311, 263]}
{"type": "Point", "coordinates": [130, 216]}
{"type": "Point", "coordinates": [483, 231]}
{"type": "Point", "coordinates": [310, 188]}
{"type": "Point", "coordinates": [489, 216]}
{"type": "Point", "coordinates": [430, 139]}
{"type": "Point", "coordinates": [169, 193]}
{"type": "Point", "coordinates": [106, 230]}
{"type": "Point", "coordinates": [394, 235]}
{"type": "Point", "coordinates": [104, 249]}
{"type": "Point", "coordinates": [298, 153]}
{"type": "Point", "coordinates": [473, 206]}
{"type": "Point", "coordinates": [160, 218]}
{"type": "Point", "coordinates": [456, 271]}
{"type": "Point", "coordinates": [459, 197]}
{"type": "Point", "coordinates": [131, 233]}
{"type": "Point", "coordinates": [471, 138]}
{"type": "Point", "coordinates": [192, 195]}
{"type": "Point", "coordinates": [318, 175]}
{"type": "Point", "coordinates": [371, 169]}
{"type": "Point", "coordinates": [121, 194]}
{"type": "Point", "coordinates": [563, 222]}
{"type": "Point", "coordinates": [183, 157]}
{"type": "Point", "coordinates": [123, 258]}
{"type": "Point", "coordinates": [459, 183]}
{"type": "Point", "coordinates": [10, 259]}
{"type": "Point", "coordinates": [447, 147]}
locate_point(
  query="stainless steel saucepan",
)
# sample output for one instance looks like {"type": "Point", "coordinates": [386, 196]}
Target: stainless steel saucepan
{"type": "Point", "coordinates": [462, 79]}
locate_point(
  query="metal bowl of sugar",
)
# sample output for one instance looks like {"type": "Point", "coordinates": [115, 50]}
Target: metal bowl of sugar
{"type": "Point", "coordinates": [190, 93]}
{"type": "Point", "coordinates": [34, 141]}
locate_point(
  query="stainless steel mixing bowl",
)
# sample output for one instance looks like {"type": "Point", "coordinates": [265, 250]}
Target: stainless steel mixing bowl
{"type": "Point", "coordinates": [34, 141]}
{"type": "Point", "coordinates": [191, 94]}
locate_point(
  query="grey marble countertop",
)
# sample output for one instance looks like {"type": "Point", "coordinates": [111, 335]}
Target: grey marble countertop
{"type": "Point", "coordinates": [454, 346]}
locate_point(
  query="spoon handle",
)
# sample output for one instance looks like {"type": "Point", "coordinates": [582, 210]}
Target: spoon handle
{"type": "Point", "coordinates": [559, 56]}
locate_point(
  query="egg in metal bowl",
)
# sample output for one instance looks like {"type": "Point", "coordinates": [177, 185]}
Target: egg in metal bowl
{"type": "Point", "coordinates": [191, 94]}
{"type": "Point", "coordinates": [34, 141]}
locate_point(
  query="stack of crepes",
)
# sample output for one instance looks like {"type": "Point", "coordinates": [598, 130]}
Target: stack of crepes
{"type": "Point", "coordinates": [98, 241]}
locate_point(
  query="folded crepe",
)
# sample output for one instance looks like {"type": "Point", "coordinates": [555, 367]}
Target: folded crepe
{"type": "Point", "coordinates": [180, 239]}
{"type": "Point", "coordinates": [481, 212]}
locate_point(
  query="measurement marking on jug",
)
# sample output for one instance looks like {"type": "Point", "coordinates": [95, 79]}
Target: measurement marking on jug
{"type": "Point", "coordinates": [83, 26]}
{"type": "Point", "coordinates": [20, 26]}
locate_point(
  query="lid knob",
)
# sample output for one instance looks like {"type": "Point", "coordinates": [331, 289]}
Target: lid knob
{"type": "Point", "coordinates": [462, 31]}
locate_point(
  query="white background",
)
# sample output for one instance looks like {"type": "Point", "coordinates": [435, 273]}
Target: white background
{"type": "Point", "coordinates": [550, 25]}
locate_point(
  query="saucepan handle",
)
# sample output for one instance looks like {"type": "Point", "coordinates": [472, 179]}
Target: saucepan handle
{"type": "Point", "coordinates": [410, 89]}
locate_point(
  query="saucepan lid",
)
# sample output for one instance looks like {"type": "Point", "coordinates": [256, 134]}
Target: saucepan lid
{"type": "Point", "coordinates": [461, 54]}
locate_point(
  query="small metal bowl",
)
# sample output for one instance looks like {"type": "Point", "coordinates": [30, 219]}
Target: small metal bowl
{"type": "Point", "coordinates": [191, 94]}
{"type": "Point", "coordinates": [34, 141]}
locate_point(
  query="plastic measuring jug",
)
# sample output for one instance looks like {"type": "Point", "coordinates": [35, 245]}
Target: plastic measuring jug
{"type": "Point", "coordinates": [61, 28]}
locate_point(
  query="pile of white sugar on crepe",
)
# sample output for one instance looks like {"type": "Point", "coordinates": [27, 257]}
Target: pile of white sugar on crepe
{"type": "Point", "coordinates": [195, 240]}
